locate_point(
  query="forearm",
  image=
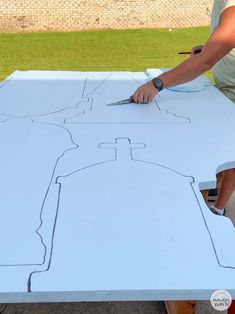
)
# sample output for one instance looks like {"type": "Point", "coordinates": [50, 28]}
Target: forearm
{"type": "Point", "coordinates": [220, 43]}
{"type": "Point", "coordinates": [186, 71]}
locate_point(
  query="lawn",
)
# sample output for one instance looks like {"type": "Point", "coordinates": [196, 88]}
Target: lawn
{"type": "Point", "coordinates": [132, 50]}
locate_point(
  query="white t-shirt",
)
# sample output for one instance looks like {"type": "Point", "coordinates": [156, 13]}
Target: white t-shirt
{"type": "Point", "coordinates": [224, 70]}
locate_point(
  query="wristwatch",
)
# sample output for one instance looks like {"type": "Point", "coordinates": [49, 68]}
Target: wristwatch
{"type": "Point", "coordinates": [158, 83]}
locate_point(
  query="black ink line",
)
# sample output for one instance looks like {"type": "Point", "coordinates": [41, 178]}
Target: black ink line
{"type": "Point", "coordinates": [173, 113]}
{"type": "Point", "coordinates": [84, 168]}
{"type": "Point", "coordinates": [165, 167]}
{"type": "Point", "coordinates": [29, 282]}
{"type": "Point", "coordinates": [19, 265]}
{"type": "Point", "coordinates": [208, 230]}
{"type": "Point", "coordinates": [134, 79]}
{"type": "Point", "coordinates": [84, 87]}
{"type": "Point", "coordinates": [172, 89]}
{"type": "Point", "coordinates": [139, 123]}
{"type": "Point", "coordinates": [50, 183]}
{"type": "Point", "coordinates": [15, 118]}
{"type": "Point", "coordinates": [66, 120]}
{"type": "Point", "coordinates": [48, 113]}
{"type": "Point", "coordinates": [88, 97]}
{"type": "Point", "coordinates": [97, 87]}
{"type": "Point", "coordinates": [5, 82]}
{"type": "Point", "coordinates": [89, 100]}
{"type": "Point", "coordinates": [57, 209]}
{"type": "Point", "coordinates": [38, 115]}
{"type": "Point", "coordinates": [203, 217]}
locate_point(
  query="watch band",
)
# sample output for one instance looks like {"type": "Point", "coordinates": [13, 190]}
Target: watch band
{"type": "Point", "coordinates": [158, 83]}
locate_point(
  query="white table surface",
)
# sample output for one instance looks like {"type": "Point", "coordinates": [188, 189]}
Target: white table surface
{"type": "Point", "coordinates": [103, 202]}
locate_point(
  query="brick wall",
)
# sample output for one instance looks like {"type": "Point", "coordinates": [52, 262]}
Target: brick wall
{"type": "Point", "coordinates": [72, 15]}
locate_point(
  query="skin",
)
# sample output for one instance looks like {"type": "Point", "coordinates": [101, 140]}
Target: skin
{"type": "Point", "coordinates": [202, 59]}
{"type": "Point", "coordinates": [221, 42]}
{"type": "Point", "coordinates": [226, 189]}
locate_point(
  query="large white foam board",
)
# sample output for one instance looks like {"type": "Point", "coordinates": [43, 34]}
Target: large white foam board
{"type": "Point", "coordinates": [103, 202]}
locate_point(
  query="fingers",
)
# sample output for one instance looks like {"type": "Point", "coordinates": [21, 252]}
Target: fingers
{"type": "Point", "coordinates": [141, 97]}
{"type": "Point", "coordinates": [144, 94]}
{"type": "Point", "coordinates": [138, 96]}
{"type": "Point", "coordinates": [146, 98]}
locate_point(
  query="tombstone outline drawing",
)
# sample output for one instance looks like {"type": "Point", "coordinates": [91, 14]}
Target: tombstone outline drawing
{"type": "Point", "coordinates": [133, 146]}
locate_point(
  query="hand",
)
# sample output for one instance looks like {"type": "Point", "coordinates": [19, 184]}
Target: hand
{"type": "Point", "coordinates": [145, 93]}
{"type": "Point", "coordinates": [196, 50]}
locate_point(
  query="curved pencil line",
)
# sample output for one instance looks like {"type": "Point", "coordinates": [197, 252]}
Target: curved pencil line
{"type": "Point", "coordinates": [48, 113]}
{"type": "Point", "coordinates": [84, 88]}
{"type": "Point", "coordinates": [89, 100]}
{"type": "Point", "coordinates": [38, 115]}
{"type": "Point", "coordinates": [19, 265]}
{"type": "Point", "coordinates": [131, 123]}
{"type": "Point", "coordinates": [50, 182]}
{"type": "Point", "coordinates": [47, 190]}
{"type": "Point", "coordinates": [172, 113]}
{"type": "Point", "coordinates": [208, 230]}
{"type": "Point", "coordinates": [204, 219]}
{"type": "Point", "coordinates": [134, 79]}
{"type": "Point", "coordinates": [42, 208]}
{"type": "Point", "coordinates": [89, 96]}
{"type": "Point", "coordinates": [29, 282]}
{"type": "Point", "coordinates": [5, 82]}
{"type": "Point", "coordinates": [167, 111]}
{"type": "Point", "coordinates": [98, 86]}
{"type": "Point", "coordinates": [172, 89]}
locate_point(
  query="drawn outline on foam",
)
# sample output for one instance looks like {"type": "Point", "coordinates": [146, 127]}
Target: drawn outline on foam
{"type": "Point", "coordinates": [43, 114]}
{"type": "Point", "coordinates": [140, 145]}
{"type": "Point", "coordinates": [41, 221]}
{"type": "Point", "coordinates": [89, 98]}
{"type": "Point", "coordinates": [47, 189]}
{"type": "Point", "coordinates": [90, 95]}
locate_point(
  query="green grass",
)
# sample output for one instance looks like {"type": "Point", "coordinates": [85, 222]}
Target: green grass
{"type": "Point", "coordinates": [132, 50]}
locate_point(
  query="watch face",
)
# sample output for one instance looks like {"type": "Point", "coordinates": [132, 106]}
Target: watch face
{"type": "Point", "coordinates": [157, 82]}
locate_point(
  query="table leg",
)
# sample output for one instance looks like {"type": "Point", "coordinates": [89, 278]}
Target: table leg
{"type": "Point", "coordinates": [231, 310]}
{"type": "Point", "coordinates": [205, 194]}
{"type": "Point", "coordinates": [219, 177]}
{"type": "Point", "coordinates": [179, 307]}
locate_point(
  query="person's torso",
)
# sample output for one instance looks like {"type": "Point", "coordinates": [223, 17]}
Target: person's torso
{"type": "Point", "coordinates": [224, 70]}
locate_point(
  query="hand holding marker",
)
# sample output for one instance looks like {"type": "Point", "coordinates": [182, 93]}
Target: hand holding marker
{"type": "Point", "coordinates": [189, 52]}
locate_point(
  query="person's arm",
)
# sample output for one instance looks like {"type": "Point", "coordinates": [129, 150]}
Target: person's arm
{"type": "Point", "coordinates": [220, 43]}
